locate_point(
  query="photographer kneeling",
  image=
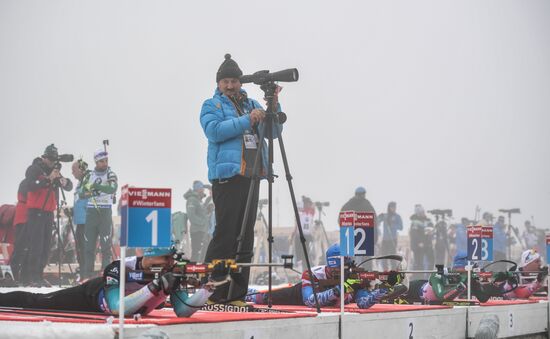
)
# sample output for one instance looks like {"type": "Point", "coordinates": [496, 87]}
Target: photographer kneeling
{"type": "Point", "coordinates": [43, 178]}
{"type": "Point", "coordinates": [142, 296]}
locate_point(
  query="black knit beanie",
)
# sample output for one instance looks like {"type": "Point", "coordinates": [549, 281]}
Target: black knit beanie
{"type": "Point", "coordinates": [228, 69]}
{"type": "Point", "coordinates": [50, 152]}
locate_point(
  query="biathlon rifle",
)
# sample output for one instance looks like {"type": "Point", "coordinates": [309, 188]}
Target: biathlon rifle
{"type": "Point", "coordinates": [193, 273]}
{"type": "Point", "coordinates": [485, 284]}
{"type": "Point", "coordinates": [361, 278]}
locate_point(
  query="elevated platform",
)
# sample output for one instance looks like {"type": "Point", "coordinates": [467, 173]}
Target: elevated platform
{"type": "Point", "coordinates": [525, 318]}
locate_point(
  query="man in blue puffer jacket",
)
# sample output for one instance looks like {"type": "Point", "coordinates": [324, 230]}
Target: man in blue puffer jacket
{"type": "Point", "coordinates": [232, 123]}
{"type": "Point", "coordinates": [80, 170]}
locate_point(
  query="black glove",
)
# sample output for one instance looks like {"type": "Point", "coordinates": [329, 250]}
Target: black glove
{"type": "Point", "coordinates": [347, 273]}
{"type": "Point", "coordinates": [394, 277]}
{"type": "Point", "coordinates": [542, 274]}
{"type": "Point", "coordinates": [167, 282]}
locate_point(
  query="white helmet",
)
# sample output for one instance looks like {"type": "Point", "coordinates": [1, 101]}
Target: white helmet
{"type": "Point", "coordinates": [528, 257]}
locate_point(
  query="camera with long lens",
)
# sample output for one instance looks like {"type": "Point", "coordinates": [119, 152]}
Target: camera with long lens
{"type": "Point", "coordinates": [58, 159]}
{"type": "Point", "coordinates": [320, 204]}
{"type": "Point", "coordinates": [263, 77]}
{"type": "Point", "coordinates": [441, 212]}
{"type": "Point", "coordinates": [62, 158]}
{"type": "Point", "coordinates": [510, 211]}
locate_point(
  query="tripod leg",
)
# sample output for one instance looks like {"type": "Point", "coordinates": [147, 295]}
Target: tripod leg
{"type": "Point", "coordinates": [253, 192]}
{"type": "Point", "coordinates": [270, 213]}
{"type": "Point", "coordinates": [297, 216]}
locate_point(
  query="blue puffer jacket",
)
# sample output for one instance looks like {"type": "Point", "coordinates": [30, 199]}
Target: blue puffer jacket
{"type": "Point", "coordinates": [79, 208]}
{"type": "Point", "coordinates": [224, 129]}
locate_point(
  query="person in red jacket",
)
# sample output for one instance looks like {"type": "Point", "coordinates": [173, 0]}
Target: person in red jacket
{"type": "Point", "coordinates": [43, 178]}
{"type": "Point", "coordinates": [19, 222]}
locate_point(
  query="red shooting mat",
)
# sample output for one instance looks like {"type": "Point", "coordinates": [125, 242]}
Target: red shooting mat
{"type": "Point", "coordinates": [157, 317]}
{"type": "Point", "coordinates": [508, 302]}
{"type": "Point", "coordinates": [377, 308]}
{"type": "Point", "coordinates": [538, 298]}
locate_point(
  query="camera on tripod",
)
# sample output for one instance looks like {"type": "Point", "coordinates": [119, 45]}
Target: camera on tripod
{"type": "Point", "coordinates": [441, 212]}
{"type": "Point", "coordinates": [262, 202]}
{"type": "Point", "coordinates": [510, 211]}
{"type": "Point", "coordinates": [263, 77]}
{"type": "Point", "coordinates": [320, 204]}
{"type": "Point", "coordinates": [62, 158]}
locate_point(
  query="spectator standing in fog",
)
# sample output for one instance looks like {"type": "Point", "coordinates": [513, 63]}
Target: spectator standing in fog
{"type": "Point", "coordinates": [420, 237]}
{"type": "Point", "coordinates": [359, 203]}
{"type": "Point", "coordinates": [198, 218]}
{"type": "Point", "coordinates": [391, 224]}
{"type": "Point", "coordinates": [499, 239]}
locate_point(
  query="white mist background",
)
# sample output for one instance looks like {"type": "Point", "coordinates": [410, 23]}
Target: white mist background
{"type": "Point", "coordinates": [434, 102]}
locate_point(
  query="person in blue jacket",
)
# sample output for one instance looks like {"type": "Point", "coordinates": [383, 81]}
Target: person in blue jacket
{"type": "Point", "coordinates": [328, 294]}
{"type": "Point", "coordinates": [79, 169]}
{"type": "Point", "coordinates": [391, 224]}
{"type": "Point", "coordinates": [232, 123]}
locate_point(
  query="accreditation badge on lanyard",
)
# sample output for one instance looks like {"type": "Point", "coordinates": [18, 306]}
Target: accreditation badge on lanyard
{"type": "Point", "coordinates": [250, 140]}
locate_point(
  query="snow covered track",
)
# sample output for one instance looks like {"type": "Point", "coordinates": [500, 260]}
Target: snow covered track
{"type": "Point", "coordinates": [510, 319]}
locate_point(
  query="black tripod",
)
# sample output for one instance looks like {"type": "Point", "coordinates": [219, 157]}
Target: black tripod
{"type": "Point", "coordinates": [319, 222]}
{"type": "Point", "coordinates": [53, 189]}
{"type": "Point", "coordinates": [57, 229]}
{"type": "Point", "coordinates": [511, 229]}
{"type": "Point", "coordinates": [441, 238]}
{"type": "Point", "coordinates": [271, 120]}
{"type": "Point", "coordinates": [261, 248]}
{"type": "Point", "coordinates": [261, 216]}
{"type": "Point", "coordinates": [60, 244]}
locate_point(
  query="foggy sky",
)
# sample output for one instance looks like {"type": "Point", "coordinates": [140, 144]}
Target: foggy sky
{"type": "Point", "coordinates": [443, 103]}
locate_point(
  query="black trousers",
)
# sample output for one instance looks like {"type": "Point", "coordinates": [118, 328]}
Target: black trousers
{"type": "Point", "coordinates": [286, 296]}
{"type": "Point", "coordinates": [78, 298]}
{"type": "Point", "coordinates": [18, 250]}
{"type": "Point", "coordinates": [99, 224]}
{"type": "Point", "coordinates": [80, 243]}
{"type": "Point", "coordinates": [37, 234]}
{"type": "Point", "coordinates": [230, 200]}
